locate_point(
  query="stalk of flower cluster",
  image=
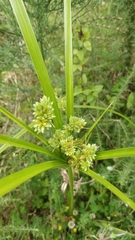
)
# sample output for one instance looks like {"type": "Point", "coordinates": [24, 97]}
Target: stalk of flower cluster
{"type": "Point", "coordinates": [78, 154]}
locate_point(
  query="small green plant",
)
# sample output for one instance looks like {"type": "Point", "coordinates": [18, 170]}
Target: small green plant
{"type": "Point", "coordinates": [84, 92]}
{"type": "Point", "coordinates": [67, 147]}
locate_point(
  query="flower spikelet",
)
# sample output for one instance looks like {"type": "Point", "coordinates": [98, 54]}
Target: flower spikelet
{"type": "Point", "coordinates": [60, 100]}
{"type": "Point", "coordinates": [88, 155]}
{"type": "Point", "coordinates": [62, 103]}
{"type": "Point", "coordinates": [67, 146]}
{"type": "Point", "coordinates": [43, 113]}
{"type": "Point", "coordinates": [76, 124]}
{"type": "Point", "coordinates": [89, 151]}
{"type": "Point", "coordinates": [57, 137]}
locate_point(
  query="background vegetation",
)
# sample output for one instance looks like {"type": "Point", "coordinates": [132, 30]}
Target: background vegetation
{"type": "Point", "coordinates": [104, 70]}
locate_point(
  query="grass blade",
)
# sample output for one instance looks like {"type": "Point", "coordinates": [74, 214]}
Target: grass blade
{"type": "Point", "coordinates": [27, 145]}
{"type": "Point", "coordinates": [88, 133]}
{"type": "Point", "coordinates": [18, 135]}
{"type": "Point", "coordinates": [116, 153]}
{"type": "Point", "coordinates": [36, 56]}
{"type": "Point", "coordinates": [68, 59]}
{"type": "Point", "coordinates": [112, 188]}
{"type": "Point", "coordinates": [109, 110]}
{"type": "Point", "coordinates": [14, 180]}
{"type": "Point", "coordinates": [69, 85]}
{"type": "Point", "coordinates": [22, 124]}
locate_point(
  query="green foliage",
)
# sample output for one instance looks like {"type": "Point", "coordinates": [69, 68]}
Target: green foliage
{"type": "Point", "coordinates": [103, 48]}
{"type": "Point", "coordinates": [131, 101]}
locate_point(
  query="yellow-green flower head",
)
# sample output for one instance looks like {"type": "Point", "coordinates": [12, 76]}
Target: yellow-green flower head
{"type": "Point", "coordinates": [67, 129]}
{"type": "Point", "coordinates": [43, 113]}
{"type": "Point", "coordinates": [41, 123]}
{"type": "Point", "coordinates": [59, 135]}
{"type": "Point", "coordinates": [62, 103]}
{"type": "Point", "coordinates": [67, 146]}
{"type": "Point", "coordinates": [85, 164]}
{"type": "Point", "coordinates": [60, 100]}
{"type": "Point", "coordinates": [89, 151]}
{"type": "Point", "coordinates": [88, 155]}
{"type": "Point", "coordinates": [76, 124]}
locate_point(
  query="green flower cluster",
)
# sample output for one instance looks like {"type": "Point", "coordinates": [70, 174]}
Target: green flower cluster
{"type": "Point", "coordinates": [84, 156]}
{"type": "Point", "coordinates": [63, 139]}
{"type": "Point", "coordinates": [43, 114]}
{"type": "Point", "coordinates": [60, 100]}
{"type": "Point", "coordinates": [79, 155]}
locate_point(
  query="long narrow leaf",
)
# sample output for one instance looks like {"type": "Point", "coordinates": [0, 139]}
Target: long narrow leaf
{"type": "Point", "coordinates": [69, 84]}
{"type": "Point", "coordinates": [68, 59]}
{"type": "Point", "coordinates": [109, 110]}
{"type": "Point", "coordinates": [115, 230]}
{"type": "Point", "coordinates": [116, 153]}
{"type": "Point", "coordinates": [36, 56]}
{"type": "Point", "coordinates": [14, 180]}
{"type": "Point", "coordinates": [18, 135]}
{"type": "Point", "coordinates": [87, 134]}
{"type": "Point", "coordinates": [27, 145]}
{"type": "Point", "coordinates": [112, 188]}
{"type": "Point", "coordinates": [22, 124]}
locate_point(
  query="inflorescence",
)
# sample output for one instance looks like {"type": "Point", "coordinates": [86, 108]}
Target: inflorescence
{"type": "Point", "coordinates": [43, 114]}
{"type": "Point", "coordinates": [79, 154]}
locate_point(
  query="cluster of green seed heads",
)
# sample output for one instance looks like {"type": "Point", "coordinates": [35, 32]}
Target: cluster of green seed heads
{"type": "Point", "coordinates": [78, 154]}
{"type": "Point", "coordinates": [43, 114]}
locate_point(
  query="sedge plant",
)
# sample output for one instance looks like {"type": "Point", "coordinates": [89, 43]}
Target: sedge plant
{"type": "Point", "coordinates": [65, 148]}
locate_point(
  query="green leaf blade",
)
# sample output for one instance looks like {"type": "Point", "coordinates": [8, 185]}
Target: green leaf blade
{"type": "Point", "coordinates": [116, 153]}
{"type": "Point", "coordinates": [36, 56]}
{"type": "Point", "coordinates": [14, 180]}
{"type": "Point", "coordinates": [88, 133]}
{"type": "Point", "coordinates": [27, 145]}
{"type": "Point", "coordinates": [112, 188]}
{"type": "Point", "coordinates": [22, 124]}
{"type": "Point", "coordinates": [68, 59]}
{"type": "Point", "coordinates": [109, 110]}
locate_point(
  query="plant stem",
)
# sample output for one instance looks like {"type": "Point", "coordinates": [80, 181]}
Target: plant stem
{"type": "Point", "coordinates": [70, 191]}
{"type": "Point", "coordinates": [69, 85]}
{"type": "Point", "coordinates": [68, 59]}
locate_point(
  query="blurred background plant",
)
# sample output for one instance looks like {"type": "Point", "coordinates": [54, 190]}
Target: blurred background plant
{"type": "Point", "coordinates": [104, 70]}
